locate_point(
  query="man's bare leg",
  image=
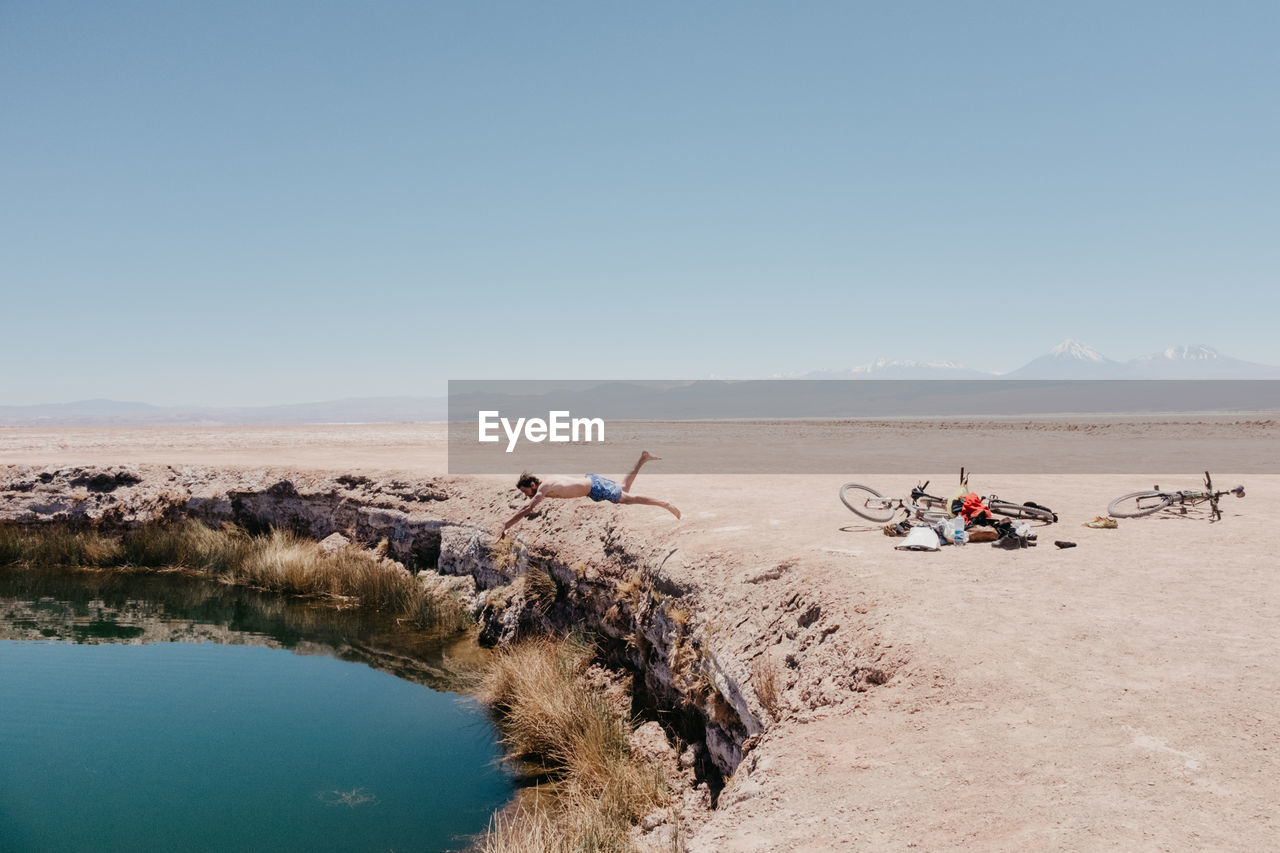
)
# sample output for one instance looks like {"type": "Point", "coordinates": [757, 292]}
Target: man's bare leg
{"type": "Point", "coordinates": [638, 499]}
{"type": "Point", "coordinates": [645, 456]}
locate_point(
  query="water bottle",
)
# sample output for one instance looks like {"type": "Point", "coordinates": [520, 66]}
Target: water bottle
{"type": "Point", "coordinates": [959, 535]}
{"type": "Point", "coordinates": [962, 536]}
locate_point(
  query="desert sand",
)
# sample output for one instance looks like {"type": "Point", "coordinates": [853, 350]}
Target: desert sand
{"type": "Point", "coordinates": [1119, 695]}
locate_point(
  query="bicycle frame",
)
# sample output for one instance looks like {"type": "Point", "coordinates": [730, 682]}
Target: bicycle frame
{"type": "Point", "coordinates": [1193, 497]}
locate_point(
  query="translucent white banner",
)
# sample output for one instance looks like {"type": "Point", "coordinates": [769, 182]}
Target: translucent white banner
{"type": "Point", "coordinates": [847, 426]}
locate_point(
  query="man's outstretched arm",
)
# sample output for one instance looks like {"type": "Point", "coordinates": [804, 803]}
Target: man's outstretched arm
{"type": "Point", "coordinates": [528, 508]}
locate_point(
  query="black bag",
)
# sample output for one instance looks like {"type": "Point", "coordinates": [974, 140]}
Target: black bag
{"type": "Point", "coordinates": [1034, 505]}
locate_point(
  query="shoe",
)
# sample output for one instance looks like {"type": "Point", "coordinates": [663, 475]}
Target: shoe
{"type": "Point", "coordinates": [1009, 543]}
{"type": "Point", "coordinates": [1062, 544]}
{"type": "Point", "coordinates": [899, 529]}
{"type": "Point", "coordinates": [1102, 522]}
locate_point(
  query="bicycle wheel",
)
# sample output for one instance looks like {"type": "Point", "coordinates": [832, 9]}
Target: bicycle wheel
{"type": "Point", "coordinates": [1137, 504]}
{"type": "Point", "coordinates": [1013, 510]}
{"type": "Point", "coordinates": [867, 502]}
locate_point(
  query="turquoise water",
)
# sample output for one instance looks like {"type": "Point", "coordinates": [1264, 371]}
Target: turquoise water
{"type": "Point", "coordinates": [112, 741]}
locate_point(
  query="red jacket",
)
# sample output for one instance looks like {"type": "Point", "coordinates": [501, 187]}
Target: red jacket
{"type": "Point", "coordinates": [972, 506]}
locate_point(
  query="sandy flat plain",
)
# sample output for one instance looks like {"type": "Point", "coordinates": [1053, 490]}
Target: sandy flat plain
{"type": "Point", "coordinates": [1120, 695]}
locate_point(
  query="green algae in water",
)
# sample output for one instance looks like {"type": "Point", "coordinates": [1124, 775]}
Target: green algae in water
{"type": "Point", "coordinates": [120, 733]}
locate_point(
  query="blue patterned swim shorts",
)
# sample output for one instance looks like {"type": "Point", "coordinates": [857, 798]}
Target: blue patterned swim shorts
{"type": "Point", "coordinates": [604, 489]}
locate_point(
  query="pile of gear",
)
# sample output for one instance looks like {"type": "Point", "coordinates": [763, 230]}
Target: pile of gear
{"type": "Point", "coordinates": [971, 521]}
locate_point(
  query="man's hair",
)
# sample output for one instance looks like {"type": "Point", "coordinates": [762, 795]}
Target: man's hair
{"type": "Point", "coordinates": [527, 479]}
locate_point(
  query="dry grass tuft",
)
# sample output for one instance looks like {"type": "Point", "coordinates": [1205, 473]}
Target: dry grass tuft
{"type": "Point", "coordinates": [631, 590]}
{"type": "Point", "coordinates": [56, 546]}
{"type": "Point", "coordinates": [540, 588]}
{"type": "Point", "coordinates": [506, 553]}
{"type": "Point", "coordinates": [186, 545]}
{"type": "Point", "coordinates": [766, 677]}
{"type": "Point", "coordinates": [561, 730]}
{"type": "Point", "coordinates": [524, 829]}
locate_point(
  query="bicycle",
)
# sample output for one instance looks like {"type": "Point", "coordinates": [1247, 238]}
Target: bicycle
{"type": "Point", "coordinates": [1029, 511]}
{"type": "Point", "coordinates": [1138, 504]}
{"type": "Point", "coordinates": [874, 506]}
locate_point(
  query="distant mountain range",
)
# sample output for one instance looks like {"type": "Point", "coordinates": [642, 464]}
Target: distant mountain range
{"type": "Point", "coordinates": [1072, 360]}
{"type": "Point", "coordinates": [117, 413]}
{"type": "Point", "coordinates": [885, 368]}
{"type": "Point", "coordinates": [1068, 360]}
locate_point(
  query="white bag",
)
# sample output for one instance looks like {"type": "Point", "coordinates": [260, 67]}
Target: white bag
{"type": "Point", "coordinates": [920, 539]}
{"type": "Point", "coordinates": [951, 527]}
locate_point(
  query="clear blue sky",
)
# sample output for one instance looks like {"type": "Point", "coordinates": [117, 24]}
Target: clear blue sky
{"type": "Point", "coordinates": [262, 202]}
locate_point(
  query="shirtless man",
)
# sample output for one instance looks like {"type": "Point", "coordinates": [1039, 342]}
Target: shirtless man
{"type": "Point", "coordinates": [589, 486]}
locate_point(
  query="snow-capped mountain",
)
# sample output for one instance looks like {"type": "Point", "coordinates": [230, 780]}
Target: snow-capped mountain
{"type": "Point", "coordinates": [1070, 350]}
{"type": "Point", "coordinates": [886, 368]}
{"type": "Point", "coordinates": [1199, 362]}
{"type": "Point", "coordinates": [1198, 352]}
{"type": "Point", "coordinates": [1071, 360]}
{"type": "Point", "coordinates": [1074, 360]}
